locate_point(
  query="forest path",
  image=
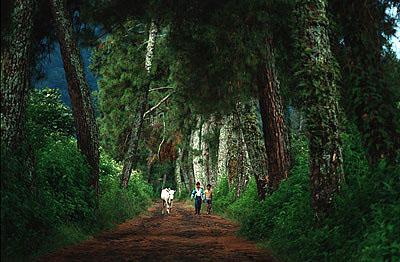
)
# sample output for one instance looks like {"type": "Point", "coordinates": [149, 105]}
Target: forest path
{"type": "Point", "coordinates": [180, 236]}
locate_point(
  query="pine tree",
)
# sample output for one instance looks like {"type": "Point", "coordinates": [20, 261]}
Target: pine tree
{"type": "Point", "coordinates": [130, 157]}
{"type": "Point", "coordinates": [274, 128]}
{"type": "Point", "coordinates": [368, 98]}
{"type": "Point", "coordinates": [15, 71]}
{"type": "Point", "coordinates": [317, 76]}
{"type": "Point", "coordinates": [78, 89]}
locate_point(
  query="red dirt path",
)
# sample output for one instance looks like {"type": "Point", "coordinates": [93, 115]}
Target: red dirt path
{"type": "Point", "coordinates": [180, 236]}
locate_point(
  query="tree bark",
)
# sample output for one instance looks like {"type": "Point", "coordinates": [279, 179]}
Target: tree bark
{"type": "Point", "coordinates": [164, 180]}
{"type": "Point", "coordinates": [255, 147]}
{"type": "Point", "coordinates": [369, 101]}
{"type": "Point", "coordinates": [205, 147]}
{"type": "Point", "coordinates": [273, 122]}
{"type": "Point", "coordinates": [131, 155]}
{"type": "Point", "coordinates": [244, 166]}
{"type": "Point", "coordinates": [213, 156]}
{"type": "Point", "coordinates": [317, 75]}
{"type": "Point", "coordinates": [238, 166]}
{"type": "Point", "coordinates": [187, 165]}
{"type": "Point", "coordinates": [78, 89]}
{"type": "Point", "coordinates": [15, 74]}
{"type": "Point", "coordinates": [224, 132]}
{"type": "Point", "coordinates": [196, 145]}
{"type": "Point", "coordinates": [187, 162]}
{"type": "Point", "coordinates": [178, 172]}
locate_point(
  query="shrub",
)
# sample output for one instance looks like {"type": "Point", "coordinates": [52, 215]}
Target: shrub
{"type": "Point", "coordinates": [46, 199]}
{"type": "Point", "coordinates": [117, 204]}
{"type": "Point", "coordinates": [362, 227]}
{"type": "Point", "coordinates": [35, 205]}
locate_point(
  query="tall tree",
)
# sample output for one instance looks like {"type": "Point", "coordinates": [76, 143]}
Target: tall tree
{"type": "Point", "coordinates": [238, 164]}
{"type": "Point", "coordinates": [78, 89]}
{"type": "Point", "coordinates": [178, 172]}
{"type": "Point", "coordinates": [131, 155]}
{"type": "Point", "coordinates": [369, 101]}
{"type": "Point", "coordinates": [317, 73]}
{"type": "Point", "coordinates": [273, 122]}
{"type": "Point", "coordinates": [255, 147]}
{"type": "Point", "coordinates": [16, 44]}
{"type": "Point", "coordinates": [224, 132]}
{"type": "Point", "coordinates": [199, 168]}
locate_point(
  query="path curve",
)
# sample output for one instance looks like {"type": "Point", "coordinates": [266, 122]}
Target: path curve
{"type": "Point", "coordinates": [180, 236]}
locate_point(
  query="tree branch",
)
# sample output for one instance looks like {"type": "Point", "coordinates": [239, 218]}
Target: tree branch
{"type": "Point", "coordinates": [157, 105]}
{"type": "Point", "coordinates": [161, 88]}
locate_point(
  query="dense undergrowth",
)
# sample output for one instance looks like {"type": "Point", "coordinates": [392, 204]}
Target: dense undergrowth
{"type": "Point", "coordinates": [47, 202]}
{"type": "Point", "coordinates": [364, 225]}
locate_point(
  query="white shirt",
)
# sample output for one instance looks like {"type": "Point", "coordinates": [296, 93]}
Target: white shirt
{"type": "Point", "coordinates": [198, 192]}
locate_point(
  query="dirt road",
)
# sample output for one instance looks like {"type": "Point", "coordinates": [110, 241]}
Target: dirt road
{"type": "Point", "coordinates": [180, 236]}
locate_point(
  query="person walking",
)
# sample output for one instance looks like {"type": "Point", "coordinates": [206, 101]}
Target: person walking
{"type": "Point", "coordinates": [208, 194]}
{"type": "Point", "coordinates": [198, 196]}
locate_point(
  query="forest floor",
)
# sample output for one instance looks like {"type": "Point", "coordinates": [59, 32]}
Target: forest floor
{"type": "Point", "coordinates": [179, 236]}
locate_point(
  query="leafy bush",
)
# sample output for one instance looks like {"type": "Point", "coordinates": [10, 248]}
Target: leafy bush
{"type": "Point", "coordinates": [117, 204]}
{"type": "Point", "coordinates": [46, 199]}
{"type": "Point", "coordinates": [35, 205]}
{"type": "Point", "coordinates": [362, 227]}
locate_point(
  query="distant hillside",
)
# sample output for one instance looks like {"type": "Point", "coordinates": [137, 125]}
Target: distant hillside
{"type": "Point", "coordinates": [54, 76]}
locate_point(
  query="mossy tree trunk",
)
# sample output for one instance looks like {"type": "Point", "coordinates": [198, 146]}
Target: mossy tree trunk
{"type": "Point", "coordinates": [244, 165]}
{"type": "Point", "coordinates": [186, 162]}
{"type": "Point", "coordinates": [205, 151]}
{"type": "Point", "coordinates": [196, 146]}
{"type": "Point", "coordinates": [273, 122]}
{"type": "Point", "coordinates": [237, 157]}
{"type": "Point", "coordinates": [78, 89]}
{"type": "Point", "coordinates": [131, 154]}
{"type": "Point", "coordinates": [369, 101]}
{"type": "Point", "coordinates": [187, 170]}
{"type": "Point", "coordinates": [15, 74]}
{"type": "Point", "coordinates": [224, 134]}
{"type": "Point", "coordinates": [178, 172]}
{"type": "Point", "coordinates": [232, 157]}
{"type": "Point", "coordinates": [317, 74]}
{"type": "Point", "coordinates": [255, 147]}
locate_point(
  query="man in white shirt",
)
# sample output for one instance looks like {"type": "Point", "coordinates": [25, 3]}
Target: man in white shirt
{"type": "Point", "coordinates": [198, 196]}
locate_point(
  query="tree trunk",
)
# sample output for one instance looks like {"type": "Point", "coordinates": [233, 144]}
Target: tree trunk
{"type": "Point", "coordinates": [255, 147]}
{"type": "Point", "coordinates": [164, 180]}
{"type": "Point", "coordinates": [189, 161]}
{"type": "Point", "coordinates": [317, 74]}
{"type": "Point", "coordinates": [131, 156]}
{"type": "Point", "coordinates": [273, 122]}
{"type": "Point", "coordinates": [15, 75]}
{"type": "Point", "coordinates": [78, 89]}
{"type": "Point", "coordinates": [369, 101]}
{"type": "Point", "coordinates": [244, 166]}
{"type": "Point", "coordinates": [236, 157]}
{"type": "Point", "coordinates": [205, 147]}
{"type": "Point", "coordinates": [224, 134]}
{"type": "Point", "coordinates": [178, 172]}
{"type": "Point", "coordinates": [213, 156]}
{"type": "Point", "coordinates": [198, 164]}
{"type": "Point", "coordinates": [186, 163]}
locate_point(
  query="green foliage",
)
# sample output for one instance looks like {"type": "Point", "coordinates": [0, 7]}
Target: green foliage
{"type": "Point", "coordinates": [368, 67]}
{"type": "Point", "coordinates": [47, 116]}
{"type": "Point", "coordinates": [46, 198]}
{"type": "Point", "coordinates": [62, 174]}
{"type": "Point", "coordinates": [207, 41]}
{"type": "Point", "coordinates": [117, 204]}
{"type": "Point", "coordinates": [119, 61]}
{"type": "Point", "coordinates": [362, 226]}
{"type": "Point", "coordinates": [34, 207]}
